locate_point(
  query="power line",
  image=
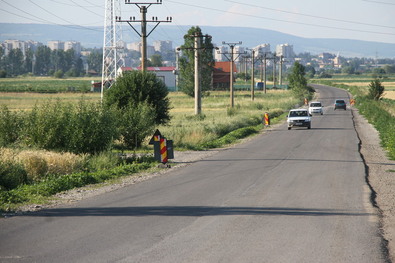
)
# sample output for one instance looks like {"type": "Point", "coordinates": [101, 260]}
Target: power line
{"type": "Point", "coordinates": [87, 9]}
{"type": "Point", "coordinates": [280, 20]}
{"type": "Point", "coordinates": [379, 2]}
{"type": "Point", "coordinates": [38, 19]}
{"type": "Point", "coordinates": [308, 15]}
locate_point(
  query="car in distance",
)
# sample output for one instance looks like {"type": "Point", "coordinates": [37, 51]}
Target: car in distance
{"type": "Point", "coordinates": [315, 107]}
{"type": "Point", "coordinates": [299, 118]}
{"type": "Point", "coordinates": [340, 104]}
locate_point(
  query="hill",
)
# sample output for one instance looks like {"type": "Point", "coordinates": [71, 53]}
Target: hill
{"type": "Point", "coordinates": [93, 37]}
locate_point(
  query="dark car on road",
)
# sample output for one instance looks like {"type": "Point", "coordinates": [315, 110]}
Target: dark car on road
{"type": "Point", "coordinates": [340, 104]}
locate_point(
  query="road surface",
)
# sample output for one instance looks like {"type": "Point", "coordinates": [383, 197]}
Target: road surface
{"type": "Point", "coordinates": [285, 196]}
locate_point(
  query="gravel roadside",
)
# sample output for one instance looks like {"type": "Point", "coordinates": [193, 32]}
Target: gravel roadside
{"type": "Point", "coordinates": [379, 177]}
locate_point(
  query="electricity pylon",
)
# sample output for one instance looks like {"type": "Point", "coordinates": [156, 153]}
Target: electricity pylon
{"type": "Point", "coordinates": [112, 43]}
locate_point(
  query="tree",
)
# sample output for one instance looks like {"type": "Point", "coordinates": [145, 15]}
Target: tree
{"type": "Point", "coordinates": [137, 121]}
{"type": "Point", "coordinates": [135, 87]}
{"type": "Point", "coordinates": [298, 82]}
{"type": "Point", "coordinates": [28, 63]}
{"type": "Point", "coordinates": [15, 62]}
{"type": "Point", "coordinates": [389, 69]}
{"type": "Point", "coordinates": [376, 89]}
{"type": "Point", "coordinates": [43, 61]}
{"type": "Point", "coordinates": [156, 60]}
{"type": "Point", "coordinates": [310, 71]}
{"type": "Point", "coordinates": [94, 61]}
{"type": "Point", "coordinates": [187, 65]}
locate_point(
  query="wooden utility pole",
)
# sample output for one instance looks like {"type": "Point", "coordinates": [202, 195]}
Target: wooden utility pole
{"type": "Point", "coordinates": [143, 34]}
{"type": "Point", "coordinates": [231, 59]}
{"type": "Point", "coordinates": [198, 91]}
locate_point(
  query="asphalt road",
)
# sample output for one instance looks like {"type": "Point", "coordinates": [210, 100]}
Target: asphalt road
{"type": "Point", "coordinates": [284, 196]}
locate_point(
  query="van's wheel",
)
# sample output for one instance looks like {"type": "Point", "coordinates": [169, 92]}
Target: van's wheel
{"type": "Point", "coordinates": [289, 128]}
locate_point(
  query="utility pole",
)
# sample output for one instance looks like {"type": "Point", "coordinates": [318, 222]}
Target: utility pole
{"type": "Point", "coordinates": [112, 38]}
{"type": "Point", "coordinates": [231, 59]}
{"type": "Point", "coordinates": [264, 72]}
{"type": "Point", "coordinates": [252, 74]}
{"type": "Point", "coordinates": [143, 11]}
{"type": "Point", "coordinates": [274, 69]}
{"type": "Point", "coordinates": [281, 70]}
{"type": "Point", "coordinates": [198, 91]}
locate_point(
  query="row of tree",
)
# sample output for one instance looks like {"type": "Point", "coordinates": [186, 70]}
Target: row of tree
{"type": "Point", "coordinates": [44, 61]}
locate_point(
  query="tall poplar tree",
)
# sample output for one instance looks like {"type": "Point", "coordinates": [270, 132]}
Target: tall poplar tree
{"type": "Point", "coordinates": [187, 63]}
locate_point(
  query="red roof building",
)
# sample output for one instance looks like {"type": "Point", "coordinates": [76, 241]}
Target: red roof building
{"type": "Point", "coordinates": [221, 75]}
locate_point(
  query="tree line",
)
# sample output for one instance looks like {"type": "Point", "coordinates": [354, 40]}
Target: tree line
{"type": "Point", "coordinates": [46, 62]}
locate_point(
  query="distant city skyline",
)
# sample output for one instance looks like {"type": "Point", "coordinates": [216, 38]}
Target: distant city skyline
{"type": "Point", "coordinates": [352, 19]}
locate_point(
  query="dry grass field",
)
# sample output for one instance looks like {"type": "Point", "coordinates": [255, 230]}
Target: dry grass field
{"type": "Point", "coordinates": [27, 100]}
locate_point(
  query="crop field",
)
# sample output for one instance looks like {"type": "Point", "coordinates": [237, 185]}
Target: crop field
{"type": "Point", "coordinates": [46, 84]}
{"type": "Point", "coordinates": [363, 81]}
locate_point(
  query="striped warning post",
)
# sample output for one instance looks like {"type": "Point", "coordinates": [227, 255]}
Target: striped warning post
{"type": "Point", "coordinates": [266, 118]}
{"type": "Point", "coordinates": [163, 150]}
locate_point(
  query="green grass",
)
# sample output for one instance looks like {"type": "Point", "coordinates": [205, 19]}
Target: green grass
{"type": "Point", "coordinates": [45, 84]}
{"type": "Point", "coordinates": [189, 131]}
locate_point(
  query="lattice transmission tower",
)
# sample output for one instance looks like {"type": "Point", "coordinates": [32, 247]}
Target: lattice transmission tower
{"type": "Point", "coordinates": [112, 46]}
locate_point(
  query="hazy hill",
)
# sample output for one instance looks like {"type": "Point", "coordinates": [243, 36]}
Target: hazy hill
{"type": "Point", "coordinates": [93, 37]}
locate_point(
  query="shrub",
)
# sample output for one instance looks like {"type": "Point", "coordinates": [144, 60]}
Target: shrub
{"type": "Point", "coordinates": [11, 175]}
{"type": "Point", "coordinates": [137, 122]}
{"type": "Point", "coordinates": [102, 161]}
{"type": "Point", "coordinates": [85, 128]}
{"type": "Point", "coordinates": [92, 129]}
{"type": "Point", "coordinates": [58, 74]}
{"type": "Point", "coordinates": [376, 90]}
{"type": "Point", "coordinates": [10, 126]}
{"type": "Point", "coordinates": [136, 87]}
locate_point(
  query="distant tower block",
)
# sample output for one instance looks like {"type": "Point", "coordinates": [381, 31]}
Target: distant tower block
{"type": "Point", "coordinates": [112, 44]}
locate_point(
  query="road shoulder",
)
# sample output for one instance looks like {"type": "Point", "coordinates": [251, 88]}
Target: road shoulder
{"type": "Point", "coordinates": [380, 177]}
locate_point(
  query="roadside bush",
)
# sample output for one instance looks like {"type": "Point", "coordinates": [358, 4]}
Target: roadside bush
{"type": "Point", "coordinates": [85, 128]}
{"type": "Point", "coordinates": [136, 87]}
{"type": "Point", "coordinates": [137, 122]}
{"type": "Point", "coordinates": [46, 126]}
{"type": "Point", "coordinates": [11, 175]}
{"type": "Point", "coordinates": [10, 126]}
{"type": "Point", "coordinates": [102, 161]}
{"type": "Point", "coordinates": [58, 74]}
{"type": "Point", "coordinates": [92, 129]}
{"type": "Point", "coordinates": [376, 90]}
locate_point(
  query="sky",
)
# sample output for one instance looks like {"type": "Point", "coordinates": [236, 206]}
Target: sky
{"type": "Point", "coordinates": [370, 20]}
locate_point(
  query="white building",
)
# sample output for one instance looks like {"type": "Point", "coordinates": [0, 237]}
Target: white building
{"type": "Point", "coordinates": [285, 50]}
{"type": "Point", "coordinates": [262, 49]}
{"type": "Point", "coordinates": [73, 45]}
{"type": "Point", "coordinates": [166, 74]}
{"type": "Point", "coordinates": [136, 46]}
{"type": "Point", "coordinates": [163, 46]}
{"type": "Point", "coordinates": [10, 44]}
{"type": "Point", "coordinates": [55, 45]}
{"type": "Point", "coordinates": [219, 54]}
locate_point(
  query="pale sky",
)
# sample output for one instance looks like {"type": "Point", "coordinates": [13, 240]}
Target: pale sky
{"type": "Point", "coordinates": [371, 20]}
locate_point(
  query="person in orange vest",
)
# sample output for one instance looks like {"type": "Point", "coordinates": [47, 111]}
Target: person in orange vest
{"type": "Point", "coordinates": [306, 101]}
